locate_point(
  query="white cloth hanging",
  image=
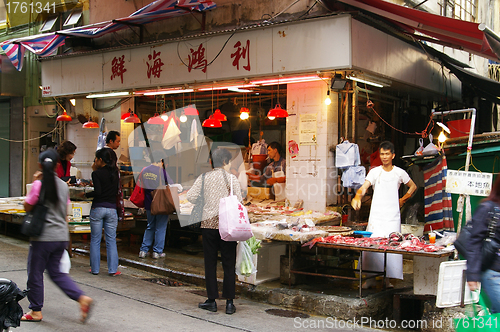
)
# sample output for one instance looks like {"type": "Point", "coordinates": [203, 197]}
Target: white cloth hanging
{"type": "Point", "coordinates": [171, 136]}
{"type": "Point", "coordinates": [193, 136]}
{"type": "Point", "coordinates": [347, 154]}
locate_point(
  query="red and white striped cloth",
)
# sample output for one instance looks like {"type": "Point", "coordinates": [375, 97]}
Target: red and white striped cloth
{"type": "Point", "coordinates": [438, 209]}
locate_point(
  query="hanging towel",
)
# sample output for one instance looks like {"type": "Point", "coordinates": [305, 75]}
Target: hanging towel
{"type": "Point", "coordinates": [193, 136]}
{"type": "Point", "coordinates": [171, 135]}
{"type": "Point", "coordinates": [438, 210]}
{"type": "Point", "coordinates": [347, 154]}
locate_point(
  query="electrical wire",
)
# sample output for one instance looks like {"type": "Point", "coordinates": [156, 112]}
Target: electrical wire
{"type": "Point", "coordinates": [30, 139]}
{"type": "Point", "coordinates": [424, 133]}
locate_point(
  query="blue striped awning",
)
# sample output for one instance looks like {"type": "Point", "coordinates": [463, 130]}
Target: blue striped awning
{"type": "Point", "coordinates": [46, 44]}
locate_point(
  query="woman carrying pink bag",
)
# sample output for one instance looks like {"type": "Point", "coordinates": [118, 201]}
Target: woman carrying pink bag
{"type": "Point", "coordinates": [216, 185]}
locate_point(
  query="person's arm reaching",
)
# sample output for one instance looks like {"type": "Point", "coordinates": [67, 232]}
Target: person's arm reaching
{"type": "Point", "coordinates": [412, 188]}
{"type": "Point", "coordinates": [356, 201]}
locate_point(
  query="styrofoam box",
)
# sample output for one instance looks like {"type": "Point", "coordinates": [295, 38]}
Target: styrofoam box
{"type": "Point", "coordinates": [449, 290]}
{"type": "Point", "coordinates": [84, 205]}
{"type": "Point", "coordinates": [268, 263]}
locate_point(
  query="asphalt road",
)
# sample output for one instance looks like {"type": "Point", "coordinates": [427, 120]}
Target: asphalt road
{"type": "Point", "coordinates": [129, 303]}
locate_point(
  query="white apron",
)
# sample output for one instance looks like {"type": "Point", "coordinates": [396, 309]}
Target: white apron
{"type": "Point", "coordinates": [385, 218]}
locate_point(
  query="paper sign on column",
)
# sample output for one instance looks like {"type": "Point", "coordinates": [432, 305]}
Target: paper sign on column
{"type": "Point", "coordinates": [470, 183]}
{"type": "Point", "coordinates": [308, 129]}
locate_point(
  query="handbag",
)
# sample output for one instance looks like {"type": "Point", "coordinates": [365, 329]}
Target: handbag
{"type": "Point", "coordinates": [234, 224]}
{"type": "Point", "coordinates": [490, 246]}
{"type": "Point", "coordinates": [165, 198]}
{"type": "Point", "coordinates": [137, 197]}
{"type": "Point", "coordinates": [34, 221]}
{"type": "Point", "coordinates": [482, 321]}
{"type": "Point", "coordinates": [197, 212]}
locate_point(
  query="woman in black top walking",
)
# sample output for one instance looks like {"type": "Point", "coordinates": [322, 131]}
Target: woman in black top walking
{"type": "Point", "coordinates": [103, 211]}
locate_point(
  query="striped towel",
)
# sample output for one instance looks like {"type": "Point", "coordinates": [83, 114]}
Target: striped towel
{"type": "Point", "coordinates": [438, 210]}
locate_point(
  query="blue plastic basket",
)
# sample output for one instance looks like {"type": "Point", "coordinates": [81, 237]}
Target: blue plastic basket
{"type": "Point", "coordinates": [364, 233]}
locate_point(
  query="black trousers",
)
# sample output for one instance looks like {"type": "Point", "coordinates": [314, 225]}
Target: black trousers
{"type": "Point", "coordinates": [212, 243]}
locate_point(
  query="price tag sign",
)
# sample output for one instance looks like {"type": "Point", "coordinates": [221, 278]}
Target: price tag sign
{"type": "Point", "coordinates": [77, 213]}
{"type": "Point", "coordinates": [469, 183]}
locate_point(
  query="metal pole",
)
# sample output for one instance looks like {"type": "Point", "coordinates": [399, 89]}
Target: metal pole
{"type": "Point", "coordinates": [354, 114]}
{"type": "Point", "coordinates": [469, 151]}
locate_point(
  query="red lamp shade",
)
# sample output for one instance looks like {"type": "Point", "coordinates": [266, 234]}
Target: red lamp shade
{"type": "Point", "coordinates": [277, 112]}
{"type": "Point", "coordinates": [191, 111]}
{"type": "Point", "coordinates": [156, 119]}
{"type": "Point", "coordinates": [219, 116]}
{"type": "Point", "coordinates": [125, 115]}
{"type": "Point", "coordinates": [90, 124]}
{"type": "Point", "coordinates": [133, 118]}
{"type": "Point", "coordinates": [211, 122]}
{"type": "Point", "coordinates": [64, 117]}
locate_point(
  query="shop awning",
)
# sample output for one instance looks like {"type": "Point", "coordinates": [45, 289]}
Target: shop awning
{"type": "Point", "coordinates": [47, 44]}
{"type": "Point", "coordinates": [484, 87]}
{"type": "Point", "coordinates": [443, 30]}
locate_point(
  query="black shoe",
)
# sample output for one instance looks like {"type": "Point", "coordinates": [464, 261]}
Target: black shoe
{"type": "Point", "coordinates": [230, 308]}
{"type": "Point", "coordinates": [210, 306]}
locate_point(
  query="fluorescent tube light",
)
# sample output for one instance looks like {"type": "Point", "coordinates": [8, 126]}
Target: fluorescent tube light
{"type": "Point", "coordinates": [107, 95]}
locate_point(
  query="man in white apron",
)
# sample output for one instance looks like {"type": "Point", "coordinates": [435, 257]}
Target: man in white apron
{"type": "Point", "coordinates": [385, 216]}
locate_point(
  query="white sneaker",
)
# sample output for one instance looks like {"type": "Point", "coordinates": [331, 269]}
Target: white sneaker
{"type": "Point", "coordinates": [142, 254]}
{"type": "Point", "coordinates": [157, 255]}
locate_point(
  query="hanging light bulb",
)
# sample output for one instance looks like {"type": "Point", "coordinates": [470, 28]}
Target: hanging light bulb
{"type": "Point", "coordinates": [271, 117]}
{"type": "Point", "coordinates": [64, 117]}
{"type": "Point", "coordinates": [73, 102]}
{"type": "Point", "coordinates": [183, 118]}
{"type": "Point", "coordinates": [442, 137]}
{"type": "Point", "coordinates": [244, 113]}
{"type": "Point", "coordinates": [328, 101]}
{"type": "Point", "coordinates": [90, 124]}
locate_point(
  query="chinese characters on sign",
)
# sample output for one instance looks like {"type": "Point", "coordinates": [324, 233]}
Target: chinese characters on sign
{"type": "Point", "coordinates": [241, 53]}
{"type": "Point", "coordinates": [197, 59]}
{"type": "Point", "coordinates": [154, 68]}
{"type": "Point", "coordinates": [470, 183]}
{"type": "Point", "coordinates": [118, 67]}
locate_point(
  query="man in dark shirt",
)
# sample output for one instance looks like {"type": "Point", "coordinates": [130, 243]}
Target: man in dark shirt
{"type": "Point", "coordinates": [277, 164]}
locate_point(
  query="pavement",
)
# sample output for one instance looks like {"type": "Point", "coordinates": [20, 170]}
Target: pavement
{"type": "Point", "coordinates": [128, 302]}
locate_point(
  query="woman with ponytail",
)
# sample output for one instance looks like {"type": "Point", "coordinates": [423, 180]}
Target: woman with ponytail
{"type": "Point", "coordinates": [103, 211]}
{"type": "Point", "coordinates": [46, 250]}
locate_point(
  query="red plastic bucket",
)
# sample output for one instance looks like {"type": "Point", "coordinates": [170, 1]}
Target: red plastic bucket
{"type": "Point", "coordinates": [459, 128]}
{"type": "Point", "coordinates": [259, 161]}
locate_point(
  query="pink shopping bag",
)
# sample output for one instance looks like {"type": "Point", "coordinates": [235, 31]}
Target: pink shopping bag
{"type": "Point", "coordinates": [233, 219]}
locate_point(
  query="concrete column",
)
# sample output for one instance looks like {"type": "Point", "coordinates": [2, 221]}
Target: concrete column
{"type": "Point", "coordinates": [312, 176]}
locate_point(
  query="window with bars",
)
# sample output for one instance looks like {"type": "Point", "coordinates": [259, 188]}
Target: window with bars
{"type": "Point", "coordinates": [465, 10]}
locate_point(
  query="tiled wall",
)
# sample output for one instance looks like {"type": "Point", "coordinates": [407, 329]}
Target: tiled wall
{"type": "Point", "coordinates": [312, 176]}
{"type": "Point", "coordinates": [86, 139]}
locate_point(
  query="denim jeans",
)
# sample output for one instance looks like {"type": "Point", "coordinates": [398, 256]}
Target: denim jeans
{"type": "Point", "coordinates": [106, 218]}
{"type": "Point", "coordinates": [155, 233]}
{"type": "Point", "coordinates": [490, 283]}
